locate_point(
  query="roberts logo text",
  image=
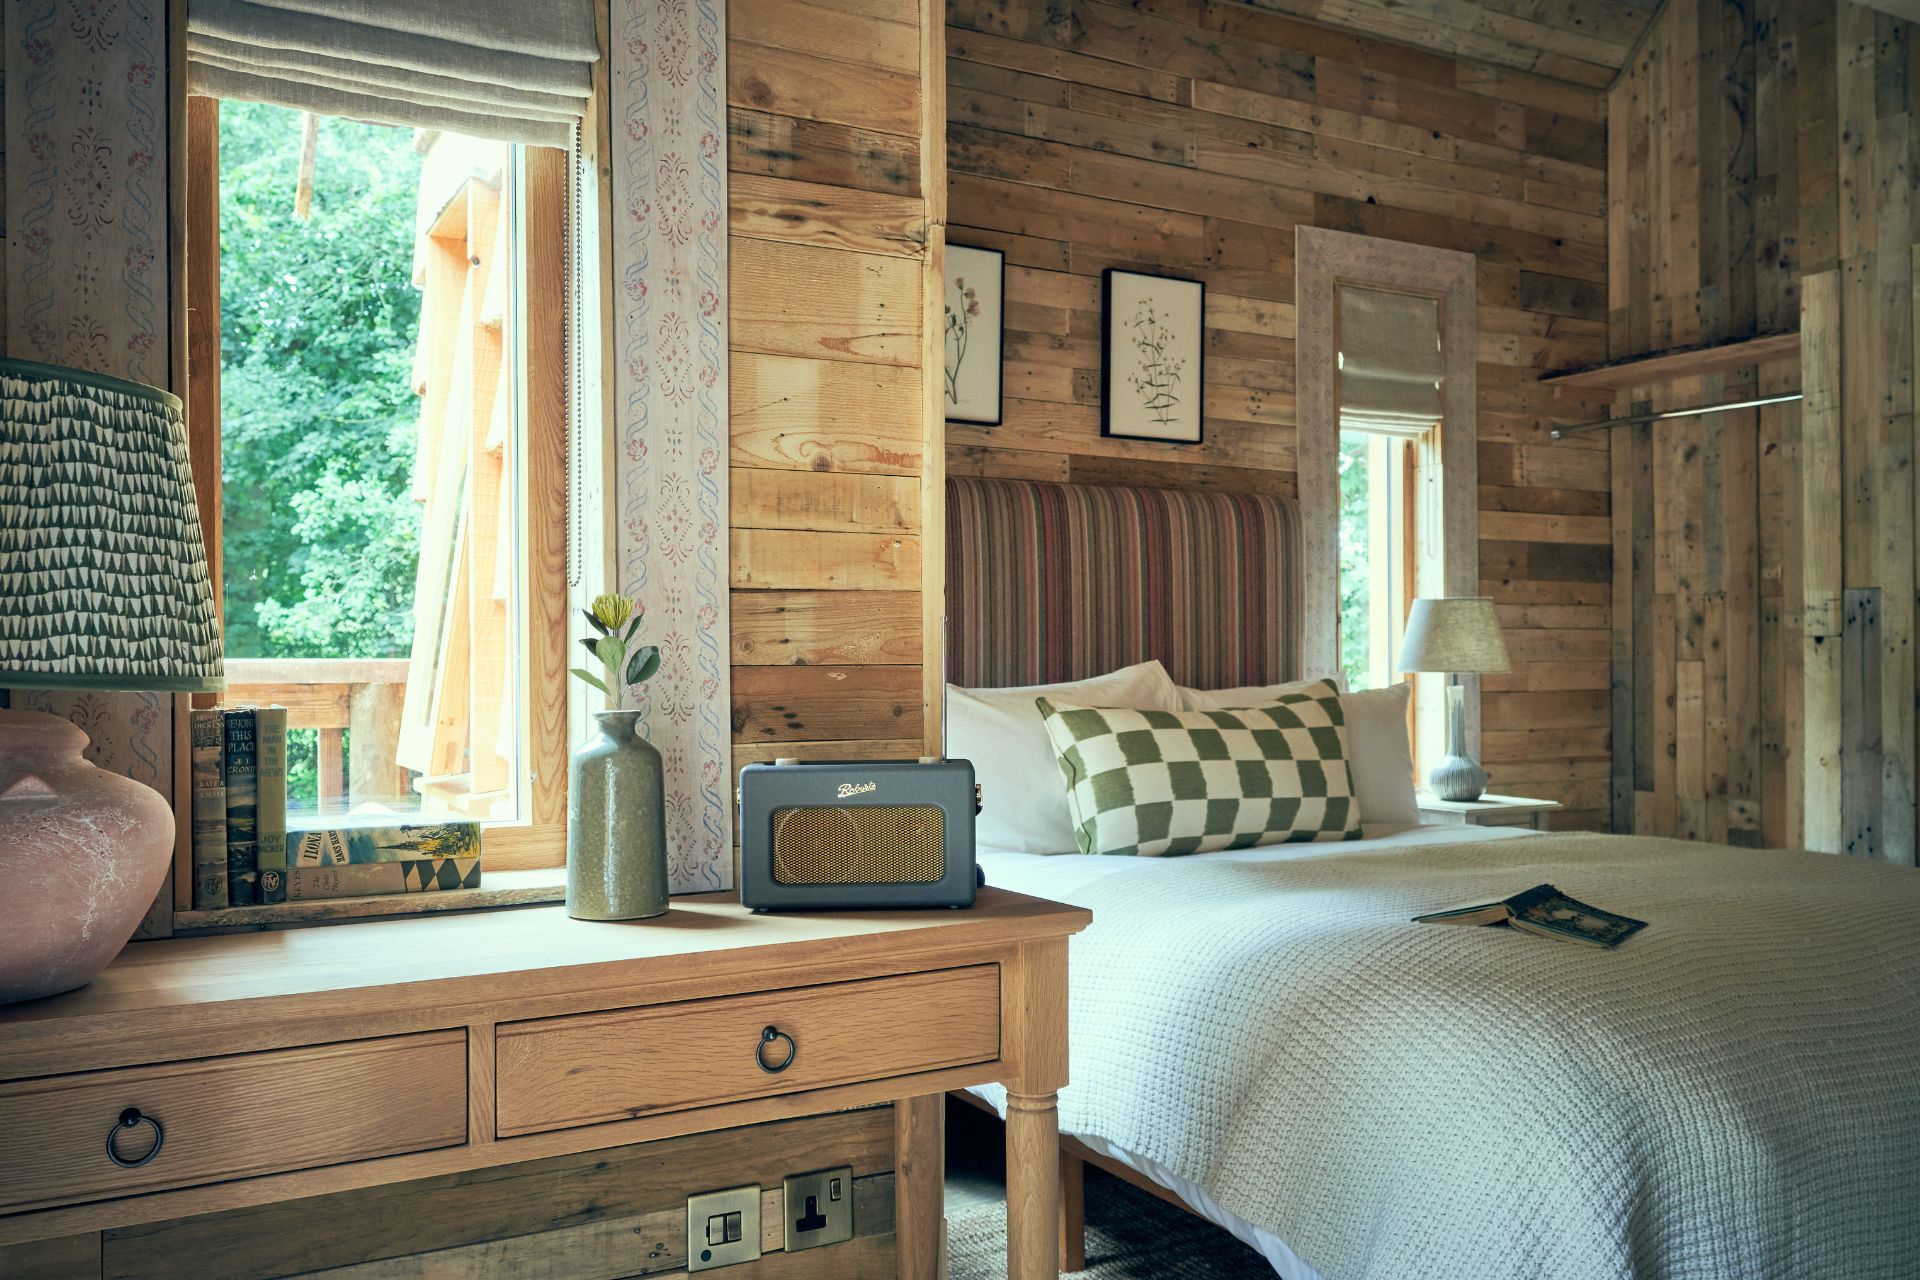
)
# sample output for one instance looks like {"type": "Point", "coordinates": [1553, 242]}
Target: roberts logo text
{"type": "Point", "coordinates": [857, 788]}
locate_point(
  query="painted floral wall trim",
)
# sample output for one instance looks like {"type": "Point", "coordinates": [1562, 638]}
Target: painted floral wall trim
{"type": "Point", "coordinates": [86, 273]}
{"type": "Point", "coordinates": [670, 262]}
{"type": "Point", "coordinates": [85, 107]}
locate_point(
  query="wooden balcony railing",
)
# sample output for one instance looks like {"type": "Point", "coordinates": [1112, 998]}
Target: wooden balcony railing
{"type": "Point", "coordinates": [337, 696]}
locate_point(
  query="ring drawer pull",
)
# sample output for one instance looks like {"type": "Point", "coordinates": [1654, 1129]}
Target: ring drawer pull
{"type": "Point", "coordinates": [133, 1118]}
{"type": "Point", "coordinates": [769, 1035]}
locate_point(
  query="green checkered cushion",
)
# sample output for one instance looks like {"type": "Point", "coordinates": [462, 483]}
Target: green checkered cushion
{"type": "Point", "coordinates": [1171, 782]}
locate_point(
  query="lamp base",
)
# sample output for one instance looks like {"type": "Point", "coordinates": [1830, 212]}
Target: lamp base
{"type": "Point", "coordinates": [82, 852]}
{"type": "Point", "coordinates": [1457, 778]}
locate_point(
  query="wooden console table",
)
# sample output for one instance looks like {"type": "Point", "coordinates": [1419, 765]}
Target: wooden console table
{"type": "Point", "coordinates": [305, 1062]}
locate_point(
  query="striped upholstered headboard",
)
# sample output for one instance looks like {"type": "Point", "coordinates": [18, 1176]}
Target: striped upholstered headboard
{"type": "Point", "coordinates": [1049, 582]}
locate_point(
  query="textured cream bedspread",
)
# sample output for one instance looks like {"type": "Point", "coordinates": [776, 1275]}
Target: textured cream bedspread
{"type": "Point", "coordinates": [1734, 1092]}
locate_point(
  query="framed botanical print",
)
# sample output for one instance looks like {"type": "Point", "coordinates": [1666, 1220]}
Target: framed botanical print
{"type": "Point", "coordinates": [1153, 363]}
{"type": "Point", "coordinates": [976, 286]}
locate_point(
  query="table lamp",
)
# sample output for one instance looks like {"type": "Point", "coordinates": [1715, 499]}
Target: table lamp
{"type": "Point", "coordinates": [1456, 635]}
{"type": "Point", "coordinates": [103, 585]}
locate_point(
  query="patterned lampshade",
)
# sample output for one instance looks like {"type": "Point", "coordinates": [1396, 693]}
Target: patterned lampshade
{"type": "Point", "coordinates": [103, 573]}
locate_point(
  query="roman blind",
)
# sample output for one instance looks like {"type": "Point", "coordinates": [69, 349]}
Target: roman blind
{"type": "Point", "coordinates": [502, 69]}
{"type": "Point", "coordinates": [1391, 366]}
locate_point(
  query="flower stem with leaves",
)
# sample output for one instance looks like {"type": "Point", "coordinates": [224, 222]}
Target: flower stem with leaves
{"type": "Point", "coordinates": [615, 622]}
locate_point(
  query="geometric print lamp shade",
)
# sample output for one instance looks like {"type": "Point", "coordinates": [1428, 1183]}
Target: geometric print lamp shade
{"type": "Point", "coordinates": [103, 571]}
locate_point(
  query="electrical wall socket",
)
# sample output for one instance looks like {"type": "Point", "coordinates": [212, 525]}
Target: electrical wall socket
{"type": "Point", "coordinates": [723, 1227]}
{"type": "Point", "coordinates": [819, 1208]}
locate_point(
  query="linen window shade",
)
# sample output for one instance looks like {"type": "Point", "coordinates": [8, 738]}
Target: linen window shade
{"type": "Point", "coordinates": [1391, 366]}
{"type": "Point", "coordinates": [502, 69]}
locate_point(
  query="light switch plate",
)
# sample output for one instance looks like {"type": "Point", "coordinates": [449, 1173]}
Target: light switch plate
{"type": "Point", "coordinates": [723, 1227]}
{"type": "Point", "coordinates": [819, 1208]}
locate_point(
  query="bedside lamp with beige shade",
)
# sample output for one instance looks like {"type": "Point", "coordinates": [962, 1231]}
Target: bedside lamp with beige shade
{"type": "Point", "coordinates": [1455, 635]}
{"type": "Point", "coordinates": [103, 585]}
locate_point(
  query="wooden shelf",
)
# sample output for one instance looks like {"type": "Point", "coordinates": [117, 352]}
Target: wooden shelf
{"type": "Point", "coordinates": [1685, 362]}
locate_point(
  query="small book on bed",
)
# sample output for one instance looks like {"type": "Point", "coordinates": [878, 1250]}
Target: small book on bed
{"type": "Point", "coordinates": [1548, 912]}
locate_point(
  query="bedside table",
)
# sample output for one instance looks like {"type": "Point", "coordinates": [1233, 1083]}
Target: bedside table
{"type": "Point", "coordinates": [1487, 811]}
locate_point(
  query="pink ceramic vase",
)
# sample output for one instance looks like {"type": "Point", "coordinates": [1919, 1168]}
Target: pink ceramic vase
{"type": "Point", "coordinates": [82, 854]}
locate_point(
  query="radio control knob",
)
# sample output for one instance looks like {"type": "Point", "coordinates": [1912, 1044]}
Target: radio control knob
{"type": "Point", "coordinates": [787, 760]}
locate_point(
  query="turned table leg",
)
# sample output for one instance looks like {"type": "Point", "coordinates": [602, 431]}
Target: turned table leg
{"type": "Point", "coordinates": [1033, 1030]}
{"type": "Point", "coordinates": [1033, 1187]}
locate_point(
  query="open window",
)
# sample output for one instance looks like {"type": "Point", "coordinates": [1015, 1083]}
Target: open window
{"type": "Point", "coordinates": [378, 368]}
{"type": "Point", "coordinates": [1391, 378]}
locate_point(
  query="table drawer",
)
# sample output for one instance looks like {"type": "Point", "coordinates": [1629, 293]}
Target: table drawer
{"type": "Point", "coordinates": [555, 1073]}
{"type": "Point", "coordinates": [231, 1117]}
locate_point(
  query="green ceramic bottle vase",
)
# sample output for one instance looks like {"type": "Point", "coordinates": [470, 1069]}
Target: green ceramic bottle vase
{"type": "Point", "coordinates": [616, 825]}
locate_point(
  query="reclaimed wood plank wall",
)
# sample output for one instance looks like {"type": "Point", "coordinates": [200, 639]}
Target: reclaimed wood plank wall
{"type": "Point", "coordinates": [615, 1212]}
{"type": "Point", "coordinates": [1190, 137]}
{"type": "Point", "coordinates": [833, 447]}
{"type": "Point", "coordinates": [1763, 604]}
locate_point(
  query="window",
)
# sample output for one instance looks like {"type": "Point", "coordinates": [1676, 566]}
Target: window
{"type": "Point", "coordinates": [1375, 535]}
{"type": "Point", "coordinates": [376, 380]}
{"type": "Point", "coordinates": [1386, 388]}
{"type": "Point", "coordinates": [1391, 378]}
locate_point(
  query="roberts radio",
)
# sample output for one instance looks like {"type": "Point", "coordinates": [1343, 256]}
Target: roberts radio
{"type": "Point", "coordinates": [857, 834]}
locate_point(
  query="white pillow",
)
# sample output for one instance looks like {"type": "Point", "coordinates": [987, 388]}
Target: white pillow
{"type": "Point", "coordinates": [1379, 754]}
{"type": "Point", "coordinates": [1023, 799]}
{"type": "Point", "coordinates": [1380, 757]}
{"type": "Point", "coordinates": [1253, 695]}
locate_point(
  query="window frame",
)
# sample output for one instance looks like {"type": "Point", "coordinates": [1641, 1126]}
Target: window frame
{"type": "Point", "coordinates": [536, 839]}
{"type": "Point", "coordinates": [1325, 260]}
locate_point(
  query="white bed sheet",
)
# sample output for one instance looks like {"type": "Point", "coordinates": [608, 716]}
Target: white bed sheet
{"type": "Point", "coordinates": [1057, 875]}
{"type": "Point", "coordinates": [1049, 875]}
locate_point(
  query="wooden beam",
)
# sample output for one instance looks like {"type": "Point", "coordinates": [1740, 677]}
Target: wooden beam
{"type": "Point", "coordinates": [1683, 362]}
{"type": "Point", "coordinates": [309, 154]}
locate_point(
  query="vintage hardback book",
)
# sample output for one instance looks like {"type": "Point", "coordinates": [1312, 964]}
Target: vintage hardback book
{"type": "Point", "coordinates": [339, 846]}
{"type": "Point", "coordinates": [270, 823]}
{"type": "Point", "coordinates": [208, 729]}
{"type": "Point", "coordinates": [1546, 911]}
{"type": "Point", "coordinates": [414, 875]}
{"type": "Point", "coordinates": [243, 812]}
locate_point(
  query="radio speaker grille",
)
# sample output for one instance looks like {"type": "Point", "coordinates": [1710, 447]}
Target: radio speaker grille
{"type": "Point", "coordinates": [867, 844]}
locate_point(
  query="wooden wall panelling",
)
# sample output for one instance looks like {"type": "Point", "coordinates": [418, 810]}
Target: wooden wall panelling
{"type": "Point", "coordinates": [835, 550]}
{"type": "Point", "coordinates": [601, 1214]}
{"type": "Point", "coordinates": [1819, 537]}
{"type": "Point", "coordinates": [1771, 150]}
{"type": "Point", "coordinates": [1190, 141]}
{"type": "Point", "coordinates": [60, 1258]}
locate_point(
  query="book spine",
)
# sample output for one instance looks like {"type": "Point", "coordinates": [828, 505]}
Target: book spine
{"type": "Point", "coordinates": [339, 846]}
{"type": "Point", "coordinates": [209, 811]}
{"type": "Point", "coordinates": [243, 849]}
{"type": "Point", "coordinates": [367, 879]}
{"type": "Point", "coordinates": [270, 827]}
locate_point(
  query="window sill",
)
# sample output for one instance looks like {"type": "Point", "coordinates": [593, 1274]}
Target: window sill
{"type": "Point", "coordinates": [498, 889]}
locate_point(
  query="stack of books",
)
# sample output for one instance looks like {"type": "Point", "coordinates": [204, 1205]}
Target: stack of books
{"type": "Point", "coordinates": [348, 862]}
{"type": "Point", "coordinates": [244, 855]}
{"type": "Point", "coordinates": [239, 806]}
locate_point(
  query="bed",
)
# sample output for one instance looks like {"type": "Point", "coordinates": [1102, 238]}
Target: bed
{"type": "Point", "coordinates": [1266, 1037]}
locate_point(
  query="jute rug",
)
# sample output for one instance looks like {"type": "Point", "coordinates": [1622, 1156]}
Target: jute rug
{"type": "Point", "coordinates": [1130, 1236]}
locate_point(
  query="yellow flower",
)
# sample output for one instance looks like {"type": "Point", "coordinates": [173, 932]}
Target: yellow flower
{"type": "Point", "coordinates": [612, 610]}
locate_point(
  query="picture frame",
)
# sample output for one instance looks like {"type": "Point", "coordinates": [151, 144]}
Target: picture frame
{"type": "Point", "coordinates": [1153, 354]}
{"type": "Point", "coordinates": [973, 349]}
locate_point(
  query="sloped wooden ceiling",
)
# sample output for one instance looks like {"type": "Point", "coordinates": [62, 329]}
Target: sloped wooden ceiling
{"type": "Point", "coordinates": [1584, 42]}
